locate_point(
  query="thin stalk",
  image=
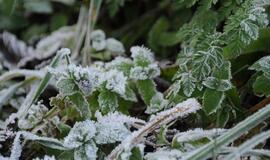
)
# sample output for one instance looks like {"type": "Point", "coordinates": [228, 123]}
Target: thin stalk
{"type": "Point", "coordinates": [205, 151]}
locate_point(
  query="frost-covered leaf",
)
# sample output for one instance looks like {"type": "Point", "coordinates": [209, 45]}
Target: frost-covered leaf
{"type": "Point", "coordinates": [217, 84]}
{"type": "Point", "coordinates": [107, 101]}
{"type": "Point", "coordinates": [212, 100]}
{"type": "Point", "coordinates": [46, 157]}
{"type": "Point", "coordinates": [80, 133]}
{"type": "Point", "coordinates": [164, 155]}
{"type": "Point", "coordinates": [81, 104]}
{"type": "Point", "coordinates": [87, 151]}
{"type": "Point", "coordinates": [263, 65]}
{"type": "Point", "coordinates": [157, 103]}
{"type": "Point", "coordinates": [121, 64]}
{"type": "Point", "coordinates": [142, 56]}
{"type": "Point", "coordinates": [129, 95]}
{"type": "Point", "coordinates": [113, 127]}
{"type": "Point", "coordinates": [192, 139]}
{"type": "Point", "coordinates": [98, 40]}
{"type": "Point", "coordinates": [188, 82]}
{"type": "Point", "coordinates": [34, 116]}
{"type": "Point", "coordinates": [66, 86]}
{"type": "Point", "coordinates": [114, 46]}
{"type": "Point", "coordinates": [116, 81]}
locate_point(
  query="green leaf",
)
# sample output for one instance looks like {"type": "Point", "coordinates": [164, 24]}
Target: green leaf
{"type": "Point", "coordinates": [261, 86]}
{"type": "Point", "coordinates": [212, 100]}
{"type": "Point", "coordinates": [161, 137]}
{"type": "Point", "coordinates": [217, 84]}
{"type": "Point", "coordinates": [147, 89]}
{"type": "Point", "coordinates": [8, 6]}
{"type": "Point", "coordinates": [57, 21]}
{"type": "Point", "coordinates": [108, 101]}
{"type": "Point", "coordinates": [41, 6]}
{"type": "Point", "coordinates": [81, 104]}
{"type": "Point", "coordinates": [136, 154]}
{"type": "Point", "coordinates": [66, 86]}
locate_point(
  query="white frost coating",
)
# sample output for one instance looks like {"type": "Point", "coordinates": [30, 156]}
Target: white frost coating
{"type": "Point", "coordinates": [180, 110]}
{"type": "Point", "coordinates": [163, 154]}
{"type": "Point", "coordinates": [142, 73]}
{"type": "Point", "coordinates": [198, 133]}
{"type": "Point", "coordinates": [98, 40]}
{"type": "Point", "coordinates": [114, 46]}
{"type": "Point", "coordinates": [46, 157]}
{"type": "Point", "coordinates": [157, 103]}
{"type": "Point", "coordinates": [80, 133]}
{"type": "Point", "coordinates": [16, 147]}
{"type": "Point", "coordinates": [64, 51]}
{"type": "Point", "coordinates": [113, 127]}
{"type": "Point", "coordinates": [138, 52]}
{"type": "Point", "coordinates": [116, 81]}
{"type": "Point", "coordinates": [33, 116]}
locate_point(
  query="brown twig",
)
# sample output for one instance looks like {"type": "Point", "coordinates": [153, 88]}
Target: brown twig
{"type": "Point", "coordinates": [259, 106]}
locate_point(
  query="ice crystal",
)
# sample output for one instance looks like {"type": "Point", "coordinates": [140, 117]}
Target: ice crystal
{"type": "Point", "coordinates": [80, 133]}
{"type": "Point", "coordinates": [87, 151]}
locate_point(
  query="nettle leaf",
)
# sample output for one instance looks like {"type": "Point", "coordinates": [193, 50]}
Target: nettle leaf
{"type": "Point", "coordinates": [147, 89]}
{"type": "Point", "coordinates": [66, 86]}
{"type": "Point", "coordinates": [87, 151]}
{"type": "Point", "coordinates": [261, 86]}
{"type": "Point", "coordinates": [217, 84]}
{"type": "Point", "coordinates": [81, 133]}
{"type": "Point", "coordinates": [108, 101]}
{"type": "Point", "coordinates": [212, 100]}
{"type": "Point", "coordinates": [263, 65]}
{"type": "Point", "coordinates": [157, 103]}
{"type": "Point", "coordinates": [81, 104]}
{"type": "Point", "coordinates": [129, 95]}
{"type": "Point", "coordinates": [188, 82]}
{"type": "Point", "coordinates": [224, 72]}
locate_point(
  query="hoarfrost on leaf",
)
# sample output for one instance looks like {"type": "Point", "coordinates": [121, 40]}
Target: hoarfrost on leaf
{"type": "Point", "coordinates": [164, 154]}
{"type": "Point", "coordinates": [34, 116]}
{"type": "Point", "coordinates": [157, 103]}
{"type": "Point", "coordinates": [46, 157]}
{"type": "Point", "coordinates": [114, 46]}
{"type": "Point", "coordinates": [217, 84]}
{"type": "Point", "coordinates": [116, 81]}
{"type": "Point", "coordinates": [87, 151]}
{"type": "Point", "coordinates": [98, 40]}
{"type": "Point", "coordinates": [80, 133]}
{"type": "Point", "coordinates": [113, 127]}
{"type": "Point", "coordinates": [142, 56]}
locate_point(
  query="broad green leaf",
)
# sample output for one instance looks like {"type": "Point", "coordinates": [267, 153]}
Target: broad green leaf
{"type": "Point", "coordinates": [261, 86]}
{"type": "Point", "coordinates": [8, 6]}
{"type": "Point", "coordinates": [41, 6]}
{"type": "Point", "coordinates": [66, 86]}
{"type": "Point", "coordinates": [147, 89]}
{"type": "Point", "coordinates": [81, 104]}
{"type": "Point", "coordinates": [217, 84]}
{"type": "Point", "coordinates": [212, 100]}
{"type": "Point", "coordinates": [108, 101]}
